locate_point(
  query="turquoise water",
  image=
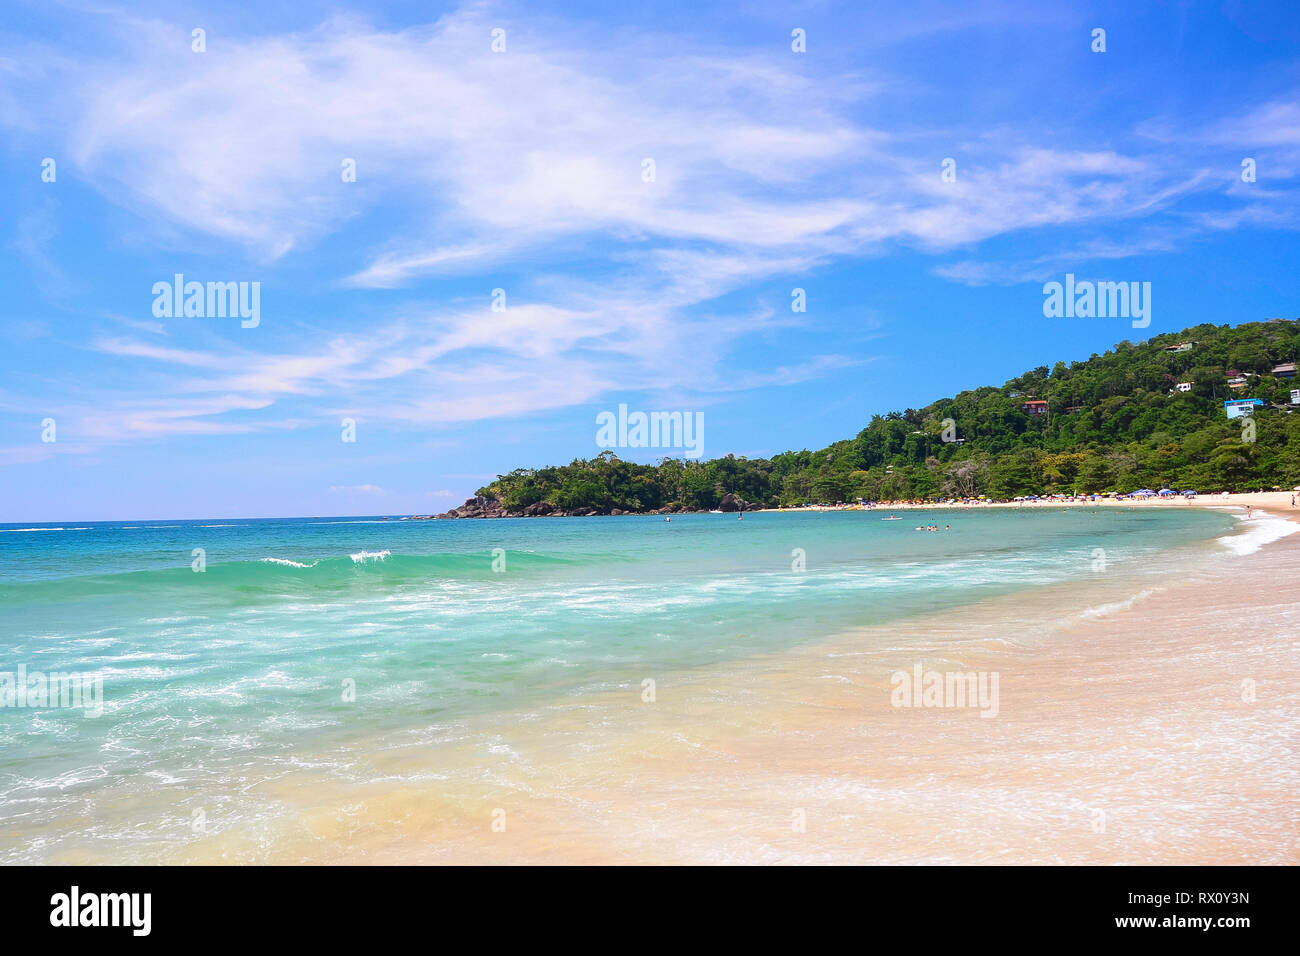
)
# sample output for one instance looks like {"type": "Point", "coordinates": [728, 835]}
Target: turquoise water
{"type": "Point", "coordinates": [229, 673]}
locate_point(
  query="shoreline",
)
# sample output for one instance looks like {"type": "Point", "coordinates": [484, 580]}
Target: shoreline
{"type": "Point", "coordinates": [1122, 736]}
{"type": "Point", "coordinates": [484, 508]}
{"type": "Point", "coordinates": [1276, 502]}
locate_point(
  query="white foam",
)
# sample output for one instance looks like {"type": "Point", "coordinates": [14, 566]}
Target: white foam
{"type": "Point", "coordinates": [363, 556]}
{"type": "Point", "coordinates": [293, 564]}
{"type": "Point", "coordinates": [1264, 529]}
{"type": "Point", "coordinates": [1101, 610]}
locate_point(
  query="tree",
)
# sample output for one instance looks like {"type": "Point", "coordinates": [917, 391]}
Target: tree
{"type": "Point", "coordinates": [1132, 430]}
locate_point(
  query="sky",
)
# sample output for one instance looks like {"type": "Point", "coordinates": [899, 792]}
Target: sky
{"type": "Point", "coordinates": [558, 209]}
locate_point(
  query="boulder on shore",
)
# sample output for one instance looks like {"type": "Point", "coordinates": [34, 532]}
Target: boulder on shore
{"type": "Point", "coordinates": [485, 506]}
{"type": "Point", "coordinates": [730, 502]}
{"type": "Point", "coordinates": [480, 506]}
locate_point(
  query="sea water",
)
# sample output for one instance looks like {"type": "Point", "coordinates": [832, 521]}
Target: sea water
{"type": "Point", "coordinates": [234, 652]}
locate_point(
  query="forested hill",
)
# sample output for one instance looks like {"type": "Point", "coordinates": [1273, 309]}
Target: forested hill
{"type": "Point", "coordinates": [1115, 422]}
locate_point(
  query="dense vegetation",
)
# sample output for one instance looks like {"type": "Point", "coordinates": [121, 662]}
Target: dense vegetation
{"type": "Point", "coordinates": [1128, 428]}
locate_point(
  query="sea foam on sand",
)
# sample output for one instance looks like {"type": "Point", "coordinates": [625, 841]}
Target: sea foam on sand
{"type": "Point", "coordinates": [1264, 529]}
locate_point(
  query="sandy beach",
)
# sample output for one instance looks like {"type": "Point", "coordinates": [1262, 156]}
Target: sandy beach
{"type": "Point", "coordinates": [1148, 722]}
{"type": "Point", "coordinates": [1276, 502]}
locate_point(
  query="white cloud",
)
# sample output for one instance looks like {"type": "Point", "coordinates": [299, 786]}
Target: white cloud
{"type": "Point", "coordinates": [505, 152]}
{"type": "Point", "coordinates": [532, 160]}
{"type": "Point", "coordinates": [356, 490]}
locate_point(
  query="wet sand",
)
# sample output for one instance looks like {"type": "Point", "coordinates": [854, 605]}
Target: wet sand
{"type": "Point", "coordinates": [1139, 721]}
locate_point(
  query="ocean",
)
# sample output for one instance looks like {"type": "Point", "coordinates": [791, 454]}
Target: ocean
{"type": "Point", "coordinates": [287, 653]}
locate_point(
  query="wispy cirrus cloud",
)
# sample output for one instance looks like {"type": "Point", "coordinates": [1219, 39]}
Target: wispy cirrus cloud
{"type": "Point", "coordinates": [765, 168]}
{"type": "Point", "coordinates": [503, 152]}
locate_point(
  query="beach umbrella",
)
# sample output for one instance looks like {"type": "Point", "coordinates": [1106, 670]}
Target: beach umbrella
{"type": "Point", "coordinates": [1165, 491]}
{"type": "Point", "coordinates": [1188, 491]}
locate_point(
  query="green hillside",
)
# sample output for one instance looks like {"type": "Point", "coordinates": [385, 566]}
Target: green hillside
{"type": "Point", "coordinates": [1115, 422]}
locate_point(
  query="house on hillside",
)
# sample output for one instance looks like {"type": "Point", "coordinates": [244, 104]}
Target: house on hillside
{"type": "Point", "coordinates": [1180, 347]}
{"type": "Point", "coordinates": [1070, 409]}
{"type": "Point", "coordinates": [1184, 386]}
{"type": "Point", "coordinates": [1285, 370]}
{"type": "Point", "coordinates": [1035, 407]}
{"type": "Point", "coordinates": [1239, 407]}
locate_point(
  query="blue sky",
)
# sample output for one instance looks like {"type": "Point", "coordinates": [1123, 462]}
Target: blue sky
{"type": "Point", "coordinates": [522, 170]}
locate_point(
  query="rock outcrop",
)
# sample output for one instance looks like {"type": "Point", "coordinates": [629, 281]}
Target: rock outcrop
{"type": "Point", "coordinates": [730, 502]}
{"type": "Point", "coordinates": [480, 506]}
{"type": "Point", "coordinates": [485, 506]}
